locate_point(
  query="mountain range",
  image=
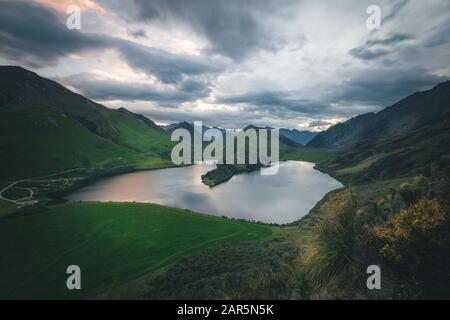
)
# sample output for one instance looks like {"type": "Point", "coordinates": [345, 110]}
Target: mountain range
{"type": "Point", "coordinates": [46, 128]}
{"type": "Point", "coordinates": [408, 138]}
{"type": "Point", "coordinates": [416, 111]}
{"type": "Point", "coordinates": [292, 137]}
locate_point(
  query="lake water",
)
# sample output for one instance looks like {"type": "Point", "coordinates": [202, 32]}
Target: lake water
{"type": "Point", "coordinates": [281, 198]}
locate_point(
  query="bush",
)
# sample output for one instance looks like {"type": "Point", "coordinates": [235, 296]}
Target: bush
{"type": "Point", "coordinates": [415, 245]}
{"type": "Point", "coordinates": [331, 254]}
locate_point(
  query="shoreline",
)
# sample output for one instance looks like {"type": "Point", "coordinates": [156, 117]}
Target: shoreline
{"type": "Point", "coordinates": [287, 224]}
{"type": "Point", "coordinates": [57, 197]}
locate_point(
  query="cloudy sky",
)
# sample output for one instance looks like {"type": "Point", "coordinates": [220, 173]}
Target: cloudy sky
{"type": "Point", "coordinates": [301, 64]}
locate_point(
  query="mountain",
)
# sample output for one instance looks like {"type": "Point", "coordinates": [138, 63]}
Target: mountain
{"type": "Point", "coordinates": [424, 151]}
{"type": "Point", "coordinates": [419, 110]}
{"type": "Point", "coordinates": [412, 139]}
{"type": "Point", "coordinates": [299, 137]}
{"type": "Point", "coordinates": [286, 144]}
{"type": "Point", "coordinates": [46, 128]}
{"type": "Point", "coordinates": [181, 125]}
{"type": "Point", "coordinates": [224, 172]}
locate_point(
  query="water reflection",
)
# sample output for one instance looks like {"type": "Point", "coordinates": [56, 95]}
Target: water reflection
{"type": "Point", "coordinates": [281, 198]}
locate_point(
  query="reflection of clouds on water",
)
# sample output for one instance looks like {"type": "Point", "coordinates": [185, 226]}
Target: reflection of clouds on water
{"type": "Point", "coordinates": [280, 198]}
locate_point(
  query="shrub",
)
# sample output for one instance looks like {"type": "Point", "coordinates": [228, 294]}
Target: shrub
{"type": "Point", "coordinates": [331, 253]}
{"type": "Point", "coordinates": [415, 244]}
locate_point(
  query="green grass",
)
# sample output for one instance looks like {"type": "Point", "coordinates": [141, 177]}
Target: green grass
{"type": "Point", "coordinates": [16, 193]}
{"type": "Point", "coordinates": [6, 207]}
{"type": "Point", "coordinates": [310, 155]}
{"type": "Point", "coordinates": [37, 139]}
{"type": "Point", "coordinates": [112, 243]}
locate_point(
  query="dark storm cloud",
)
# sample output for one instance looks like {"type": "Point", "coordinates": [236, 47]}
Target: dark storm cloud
{"type": "Point", "coordinates": [439, 35]}
{"type": "Point", "coordinates": [138, 33]}
{"type": "Point", "coordinates": [376, 48]}
{"type": "Point", "coordinates": [168, 67]}
{"type": "Point", "coordinates": [384, 86]}
{"type": "Point", "coordinates": [38, 37]}
{"type": "Point", "coordinates": [393, 63]}
{"type": "Point", "coordinates": [392, 39]}
{"type": "Point", "coordinates": [233, 27]}
{"type": "Point", "coordinates": [35, 36]}
{"type": "Point", "coordinates": [364, 53]}
{"type": "Point", "coordinates": [281, 102]}
{"type": "Point", "coordinates": [369, 90]}
{"type": "Point", "coordinates": [395, 10]}
{"type": "Point", "coordinates": [98, 88]}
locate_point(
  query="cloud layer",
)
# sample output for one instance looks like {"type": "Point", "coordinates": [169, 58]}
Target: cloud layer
{"type": "Point", "coordinates": [293, 63]}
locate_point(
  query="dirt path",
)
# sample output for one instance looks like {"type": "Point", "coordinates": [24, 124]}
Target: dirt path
{"type": "Point", "coordinates": [29, 200]}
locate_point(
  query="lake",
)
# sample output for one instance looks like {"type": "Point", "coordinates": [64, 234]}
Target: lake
{"type": "Point", "coordinates": [281, 198]}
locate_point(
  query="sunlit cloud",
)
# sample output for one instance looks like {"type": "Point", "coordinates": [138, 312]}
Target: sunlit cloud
{"type": "Point", "coordinates": [62, 5]}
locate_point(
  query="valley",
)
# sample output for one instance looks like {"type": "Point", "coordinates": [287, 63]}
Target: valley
{"type": "Point", "coordinates": [392, 210]}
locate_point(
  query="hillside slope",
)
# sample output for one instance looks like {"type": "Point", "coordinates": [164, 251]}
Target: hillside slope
{"type": "Point", "coordinates": [424, 151]}
{"type": "Point", "coordinates": [419, 110]}
{"type": "Point", "coordinates": [46, 128]}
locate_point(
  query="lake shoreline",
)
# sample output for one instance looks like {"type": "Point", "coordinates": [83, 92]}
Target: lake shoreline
{"type": "Point", "coordinates": [273, 200]}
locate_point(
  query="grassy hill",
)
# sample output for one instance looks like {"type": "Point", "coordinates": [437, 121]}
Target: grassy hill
{"type": "Point", "coordinates": [419, 110]}
{"type": "Point", "coordinates": [394, 211]}
{"type": "Point", "coordinates": [112, 244]}
{"type": "Point", "coordinates": [424, 151]}
{"type": "Point", "coordinates": [46, 128]}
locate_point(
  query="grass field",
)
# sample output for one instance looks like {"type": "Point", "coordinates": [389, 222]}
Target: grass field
{"type": "Point", "coordinates": [112, 243]}
{"type": "Point", "coordinates": [309, 155]}
{"type": "Point", "coordinates": [6, 208]}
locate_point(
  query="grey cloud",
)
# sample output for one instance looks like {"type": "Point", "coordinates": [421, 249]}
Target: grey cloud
{"type": "Point", "coordinates": [395, 10]}
{"type": "Point", "coordinates": [37, 37]}
{"type": "Point", "coordinates": [439, 35]}
{"type": "Point", "coordinates": [287, 99]}
{"type": "Point", "coordinates": [368, 90]}
{"type": "Point", "coordinates": [99, 88]}
{"type": "Point", "coordinates": [319, 124]}
{"type": "Point", "coordinates": [138, 33]}
{"type": "Point", "coordinates": [365, 53]}
{"type": "Point", "coordinates": [234, 27]}
{"type": "Point", "coordinates": [376, 48]}
{"type": "Point", "coordinates": [286, 104]}
{"type": "Point", "coordinates": [168, 67]}
{"type": "Point", "coordinates": [383, 86]}
{"type": "Point", "coordinates": [392, 39]}
{"type": "Point", "coordinates": [400, 64]}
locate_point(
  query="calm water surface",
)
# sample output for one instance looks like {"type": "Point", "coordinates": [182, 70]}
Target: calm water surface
{"type": "Point", "coordinates": [281, 198]}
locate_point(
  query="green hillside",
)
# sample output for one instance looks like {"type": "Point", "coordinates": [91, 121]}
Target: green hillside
{"type": "Point", "coordinates": [414, 112]}
{"type": "Point", "coordinates": [46, 128]}
{"type": "Point", "coordinates": [112, 244]}
{"type": "Point", "coordinates": [424, 152]}
{"type": "Point", "coordinates": [394, 211]}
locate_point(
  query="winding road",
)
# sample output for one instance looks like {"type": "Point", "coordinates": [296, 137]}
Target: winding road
{"type": "Point", "coordinates": [29, 200]}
